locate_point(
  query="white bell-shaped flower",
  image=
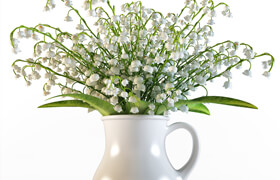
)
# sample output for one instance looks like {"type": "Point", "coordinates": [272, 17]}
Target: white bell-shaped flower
{"type": "Point", "coordinates": [169, 46]}
{"type": "Point", "coordinates": [124, 56]}
{"type": "Point", "coordinates": [266, 74]}
{"type": "Point", "coordinates": [138, 80]}
{"type": "Point", "coordinates": [148, 69]}
{"type": "Point", "coordinates": [69, 62]}
{"type": "Point", "coordinates": [116, 18]}
{"type": "Point", "coordinates": [151, 112]}
{"type": "Point", "coordinates": [90, 83]}
{"type": "Point", "coordinates": [118, 108]}
{"type": "Point", "coordinates": [249, 53]}
{"type": "Point", "coordinates": [175, 55]}
{"type": "Point", "coordinates": [172, 69]}
{"type": "Point", "coordinates": [124, 94]}
{"type": "Point", "coordinates": [124, 82]}
{"type": "Point", "coordinates": [68, 18]}
{"type": "Point", "coordinates": [92, 13]}
{"type": "Point", "coordinates": [159, 59]}
{"type": "Point", "coordinates": [94, 77]}
{"type": "Point", "coordinates": [168, 86]}
{"type": "Point", "coordinates": [170, 102]}
{"type": "Point", "coordinates": [114, 100]}
{"type": "Point", "coordinates": [210, 56]}
{"type": "Point", "coordinates": [152, 106]}
{"type": "Point", "coordinates": [227, 74]}
{"type": "Point", "coordinates": [184, 108]}
{"type": "Point", "coordinates": [134, 110]}
{"type": "Point", "coordinates": [135, 64]}
{"type": "Point", "coordinates": [163, 36]}
{"type": "Point", "coordinates": [159, 99]}
{"type": "Point", "coordinates": [222, 49]}
{"type": "Point", "coordinates": [50, 54]}
{"type": "Point", "coordinates": [115, 70]}
{"type": "Point", "coordinates": [247, 73]}
{"type": "Point", "coordinates": [140, 87]}
{"type": "Point", "coordinates": [132, 99]}
{"type": "Point", "coordinates": [227, 84]}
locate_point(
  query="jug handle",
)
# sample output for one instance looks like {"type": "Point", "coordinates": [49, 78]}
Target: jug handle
{"type": "Point", "coordinates": [185, 170]}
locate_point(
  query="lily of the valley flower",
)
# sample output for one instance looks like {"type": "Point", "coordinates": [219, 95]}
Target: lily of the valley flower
{"type": "Point", "coordinates": [139, 55]}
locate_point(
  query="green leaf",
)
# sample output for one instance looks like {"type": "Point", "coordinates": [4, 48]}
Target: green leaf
{"type": "Point", "coordinates": [142, 106]}
{"type": "Point", "coordinates": [160, 108]}
{"type": "Point", "coordinates": [193, 107]}
{"type": "Point", "coordinates": [67, 103]}
{"type": "Point", "coordinates": [100, 105]}
{"type": "Point", "coordinates": [198, 108]}
{"type": "Point", "coordinates": [224, 101]}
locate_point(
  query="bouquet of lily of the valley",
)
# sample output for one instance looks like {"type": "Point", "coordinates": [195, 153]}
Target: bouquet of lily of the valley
{"type": "Point", "coordinates": [139, 61]}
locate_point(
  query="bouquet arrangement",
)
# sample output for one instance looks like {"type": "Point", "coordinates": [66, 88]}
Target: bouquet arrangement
{"type": "Point", "coordinates": [140, 61]}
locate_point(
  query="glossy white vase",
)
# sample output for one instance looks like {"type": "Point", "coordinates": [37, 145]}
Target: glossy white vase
{"type": "Point", "coordinates": [135, 149]}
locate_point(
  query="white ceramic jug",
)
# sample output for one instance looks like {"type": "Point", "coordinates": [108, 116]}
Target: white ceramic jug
{"type": "Point", "coordinates": [135, 149]}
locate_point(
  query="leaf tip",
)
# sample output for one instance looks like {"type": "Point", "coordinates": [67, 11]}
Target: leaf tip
{"type": "Point", "coordinates": [252, 106]}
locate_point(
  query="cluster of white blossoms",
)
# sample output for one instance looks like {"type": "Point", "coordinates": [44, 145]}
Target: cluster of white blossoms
{"type": "Point", "coordinates": [140, 54]}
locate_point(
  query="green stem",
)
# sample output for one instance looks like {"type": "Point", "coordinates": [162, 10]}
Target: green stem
{"type": "Point", "coordinates": [112, 8]}
{"type": "Point", "coordinates": [182, 11]}
{"type": "Point", "coordinates": [84, 21]}
{"type": "Point", "coordinates": [267, 54]}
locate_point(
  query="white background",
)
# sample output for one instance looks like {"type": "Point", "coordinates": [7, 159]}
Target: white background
{"type": "Point", "coordinates": [56, 144]}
